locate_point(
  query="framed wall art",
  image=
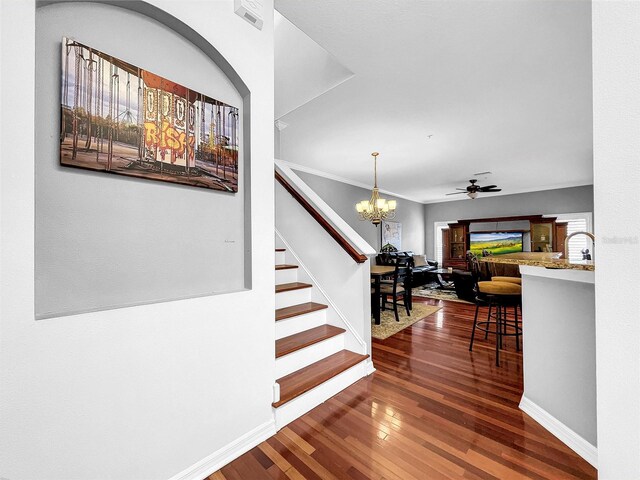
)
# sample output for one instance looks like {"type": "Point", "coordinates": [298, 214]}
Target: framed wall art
{"type": "Point", "coordinates": [391, 234]}
{"type": "Point", "coordinates": [119, 118]}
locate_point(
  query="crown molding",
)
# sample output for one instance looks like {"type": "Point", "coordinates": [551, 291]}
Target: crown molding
{"type": "Point", "coordinates": [330, 176]}
{"type": "Point", "coordinates": [337, 178]}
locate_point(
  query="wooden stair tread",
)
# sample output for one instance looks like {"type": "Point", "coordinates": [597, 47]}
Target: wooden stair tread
{"type": "Point", "coordinates": [281, 249]}
{"type": "Point", "coordinates": [286, 287]}
{"type": "Point", "coordinates": [300, 340]}
{"type": "Point", "coordinates": [284, 266]}
{"type": "Point", "coordinates": [307, 378]}
{"type": "Point", "coordinates": [300, 309]}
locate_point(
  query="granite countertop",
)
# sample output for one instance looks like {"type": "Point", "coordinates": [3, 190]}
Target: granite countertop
{"type": "Point", "coordinates": [539, 259]}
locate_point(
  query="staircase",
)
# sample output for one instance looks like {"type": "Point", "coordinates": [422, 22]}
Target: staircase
{"type": "Point", "coordinates": [312, 363]}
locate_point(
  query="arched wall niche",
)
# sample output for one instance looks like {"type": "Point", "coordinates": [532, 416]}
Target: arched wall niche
{"type": "Point", "coordinates": [109, 241]}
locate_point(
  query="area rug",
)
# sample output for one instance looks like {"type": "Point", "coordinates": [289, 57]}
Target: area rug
{"type": "Point", "coordinates": [439, 294]}
{"type": "Point", "coordinates": [388, 325]}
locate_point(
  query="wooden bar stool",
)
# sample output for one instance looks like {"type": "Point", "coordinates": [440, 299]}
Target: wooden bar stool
{"type": "Point", "coordinates": [501, 295]}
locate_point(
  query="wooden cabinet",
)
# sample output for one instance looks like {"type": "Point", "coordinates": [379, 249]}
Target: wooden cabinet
{"type": "Point", "coordinates": [455, 243]}
{"type": "Point", "coordinates": [445, 247]}
{"type": "Point", "coordinates": [543, 234]}
{"type": "Point", "coordinates": [561, 235]}
{"type": "Point", "coordinates": [546, 235]}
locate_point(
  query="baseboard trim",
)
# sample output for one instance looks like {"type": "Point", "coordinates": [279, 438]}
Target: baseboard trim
{"type": "Point", "coordinates": [369, 368]}
{"type": "Point", "coordinates": [567, 436]}
{"type": "Point", "coordinates": [228, 453]}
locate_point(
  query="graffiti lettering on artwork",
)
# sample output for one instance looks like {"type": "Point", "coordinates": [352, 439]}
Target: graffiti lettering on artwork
{"type": "Point", "coordinates": [167, 137]}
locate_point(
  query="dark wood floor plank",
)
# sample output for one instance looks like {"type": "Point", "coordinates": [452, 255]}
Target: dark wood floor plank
{"type": "Point", "coordinates": [290, 456]}
{"type": "Point", "coordinates": [431, 410]}
{"type": "Point", "coordinates": [283, 465]}
{"type": "Point", "coordinates": [276, 473]}
{"type": "Point", "coordinates": [359, 459]}
{"type": "Point", "coordinates": [302, 453]}
{"type": "Point", "coordinates": [216, 476]}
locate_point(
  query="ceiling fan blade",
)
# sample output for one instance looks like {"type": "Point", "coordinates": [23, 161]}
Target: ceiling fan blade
{"type": "Point", "coordinates": [463, 189]}
{"type": "Point", "coordinates": [493, 190]}
{"type": "Point", "coordinates": [488, 187]}
{"type": "Point", "coordinates": [456, 193]}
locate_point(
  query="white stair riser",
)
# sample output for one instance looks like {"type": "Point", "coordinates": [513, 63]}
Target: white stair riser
{"type": "Point", "coordinates": [293, 297]}
{"type": "Point", "coordinates": [308, 355]}
{"type": "Point", "coordinates": [297, 407]}
{"type": "Point", "coordinates": [300, 323]}
{"type": "Point", "coordinates": [280, 258]}
{"type": "Point", "coordinates": [287, 276]}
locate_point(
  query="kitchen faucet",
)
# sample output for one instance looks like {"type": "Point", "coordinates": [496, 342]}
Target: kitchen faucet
{"type": "Point", "coordinates": [590, 235]}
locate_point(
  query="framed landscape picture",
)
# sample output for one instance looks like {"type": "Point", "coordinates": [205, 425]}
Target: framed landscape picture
{"type": "Point", "coordinates": [119, 118]}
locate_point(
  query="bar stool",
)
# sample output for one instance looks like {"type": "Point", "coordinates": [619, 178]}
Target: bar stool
{"type": "Point", "coordinates": [516, 280]}
{"type": "Point", "coordinates": [501, 295]}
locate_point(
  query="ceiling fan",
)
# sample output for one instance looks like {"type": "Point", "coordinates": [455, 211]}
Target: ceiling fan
{"type": "Point", "coordinates": [473, 189]}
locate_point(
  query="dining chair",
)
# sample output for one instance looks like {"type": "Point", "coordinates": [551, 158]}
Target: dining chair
{"type": "Point", "coordinates": [400, 289]}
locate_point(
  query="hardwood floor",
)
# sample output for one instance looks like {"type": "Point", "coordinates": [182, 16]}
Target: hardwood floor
{"type": "Point", "coordinates": [431, 410]}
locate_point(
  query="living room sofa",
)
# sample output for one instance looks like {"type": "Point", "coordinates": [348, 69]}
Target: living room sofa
{"type": "Point", "coordinates": [420, 265]}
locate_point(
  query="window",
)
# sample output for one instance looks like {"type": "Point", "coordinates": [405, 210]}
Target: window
{"type": "Point", "coordinates": [437, 241]}
{"type": "Point", "coordinates": [577, 222]}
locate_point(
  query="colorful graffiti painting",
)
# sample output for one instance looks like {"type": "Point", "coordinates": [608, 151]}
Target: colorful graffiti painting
{"type": "Point", "coordinates": [119, 118]}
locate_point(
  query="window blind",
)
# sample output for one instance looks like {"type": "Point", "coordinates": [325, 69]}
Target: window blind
{"type": "Point", "coordinates": [438, 227]}
{"type": "Point", "coordinates": [579, 242]}
{"type": "Point", "coordinates": [439, 245]}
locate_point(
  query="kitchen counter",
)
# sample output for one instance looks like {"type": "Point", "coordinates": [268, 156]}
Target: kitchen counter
{"type": "Point", "coordinates": [539, 259]}
{"type": "Point", "coordinates": [559, 356]}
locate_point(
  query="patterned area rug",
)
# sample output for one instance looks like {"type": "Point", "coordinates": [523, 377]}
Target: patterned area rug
{"type": "Point", "coordinates": [388, 325]}
{"type": "Point", "coordinates": [439, 294]}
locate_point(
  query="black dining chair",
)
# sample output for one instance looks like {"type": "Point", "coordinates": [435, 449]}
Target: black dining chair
{"type": "Point", "coordinates": [400, 289]}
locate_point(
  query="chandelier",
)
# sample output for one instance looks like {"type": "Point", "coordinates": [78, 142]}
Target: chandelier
{"type": "Point", "coordinates": [376, 209]}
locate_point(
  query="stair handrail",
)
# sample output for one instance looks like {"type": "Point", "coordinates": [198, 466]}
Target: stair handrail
{"type": "Point", "coordinates": [352, 243]}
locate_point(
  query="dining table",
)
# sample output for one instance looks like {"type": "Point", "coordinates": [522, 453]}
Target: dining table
{"type": "Point", "coordinates": [377, 272]}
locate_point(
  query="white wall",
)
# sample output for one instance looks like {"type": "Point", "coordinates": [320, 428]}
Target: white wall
{"type": "Point", "coordinates": [303, 69]}
{"type": "Point", "coordinates": [558, 346]}
{"type": "Point", "coordinates": [616, 92]}
{"type": "Point", "coordinates": [142, 392]}
{"type": "Point", "coordinates": [123, 241]}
